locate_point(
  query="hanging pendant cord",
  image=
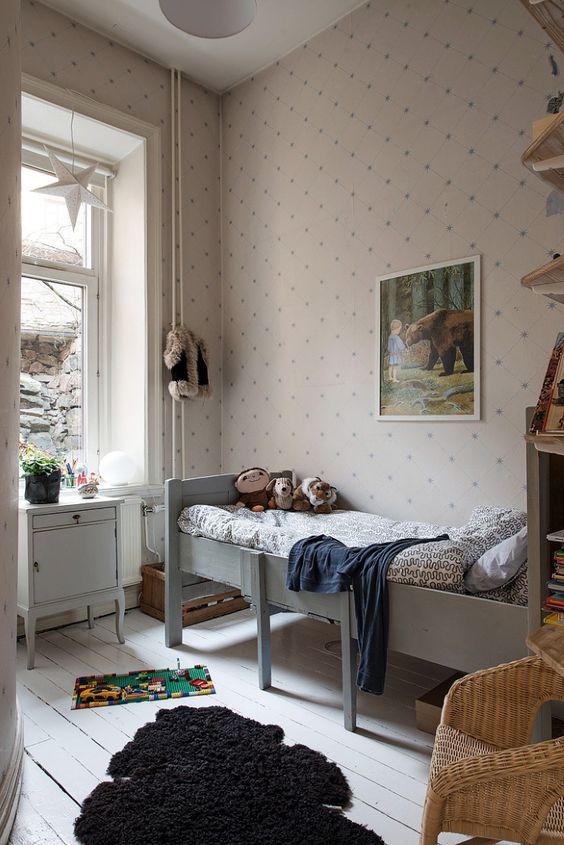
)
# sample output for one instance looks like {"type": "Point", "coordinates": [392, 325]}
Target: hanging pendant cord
{"type": "Point", "coordinates": [72, 140]}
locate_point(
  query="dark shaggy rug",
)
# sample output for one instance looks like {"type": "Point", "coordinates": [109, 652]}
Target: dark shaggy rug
{"type": "Point", "coordinates": [208, 775]}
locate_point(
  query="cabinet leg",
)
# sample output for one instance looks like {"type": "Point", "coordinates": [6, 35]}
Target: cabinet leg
{"type": "Point", "coordinates": [90, 616]}
{"type": "Point", "coordinates": [120, 615]}
{"type": "Point", "coordinates": [29, 625]}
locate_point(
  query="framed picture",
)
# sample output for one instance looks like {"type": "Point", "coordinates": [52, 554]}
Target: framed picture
{"type": "Point", "coordinates": [428, 342]}
{"type": "Point", "coordinates": [548, 417]}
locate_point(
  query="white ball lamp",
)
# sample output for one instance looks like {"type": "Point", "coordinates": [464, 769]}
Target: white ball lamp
{"type": "Point", "coordinates": [209, 18]}
{"type": "Point", "coordinates": [117, 468]}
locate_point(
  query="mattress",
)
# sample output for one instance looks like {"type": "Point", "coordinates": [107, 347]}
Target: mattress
{"type": "Point", "coordinates": [437, 565]}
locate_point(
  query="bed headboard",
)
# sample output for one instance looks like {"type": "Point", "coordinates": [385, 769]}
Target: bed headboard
{"type": "Point", "coordinates": [207, 490]}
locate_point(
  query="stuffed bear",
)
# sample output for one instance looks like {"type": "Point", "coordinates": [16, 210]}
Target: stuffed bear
{"type": "Point", "coordinates": [252, 484]}
{"type": "Point", "coordinates": [446, 332]}
{"type": "Point", "coordinates": [281, 490]}
{"type": "Point", "coordinates": [315, 493]}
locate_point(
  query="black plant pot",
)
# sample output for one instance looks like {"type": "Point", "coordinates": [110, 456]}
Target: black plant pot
{"type": "Point", "coordinates": [43, 489]}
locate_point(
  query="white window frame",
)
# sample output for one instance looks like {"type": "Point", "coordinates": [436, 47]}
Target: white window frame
{"type": "Point", "coordinates": [87, 278]}
{"type": "Point", "coordinates": [154, 449]}
{"type": "Point", "coordinates": [89, 286]}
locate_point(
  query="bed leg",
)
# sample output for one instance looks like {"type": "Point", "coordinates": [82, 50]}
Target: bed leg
{"type": "Point", "coordinates": [173, 574]}
{"type": "Point", "coordinates": [258, 587]}
{"type": "Point", "coordinates": [348, 653]}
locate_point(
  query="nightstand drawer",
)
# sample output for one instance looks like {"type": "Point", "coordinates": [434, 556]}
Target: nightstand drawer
{"type": "Point", "coordinates": [80, 516]}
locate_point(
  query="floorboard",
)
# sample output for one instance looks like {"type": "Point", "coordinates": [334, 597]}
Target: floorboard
{"type": "Point", "coordinates": [46, 813]}
{"type": "Point", "coordinates": [67, 752]}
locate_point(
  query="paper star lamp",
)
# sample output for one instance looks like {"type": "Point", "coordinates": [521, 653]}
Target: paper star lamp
{"type": "Point", "coordinates": [72, 186]}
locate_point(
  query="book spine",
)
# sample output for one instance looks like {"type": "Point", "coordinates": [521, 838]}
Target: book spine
{"type": "Point", "coordinates": [553, 605]}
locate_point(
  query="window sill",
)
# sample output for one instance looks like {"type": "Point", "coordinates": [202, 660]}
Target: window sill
{"type": "Point", "coordinates": [144, 490]}
{"type": "Point", "coordinates": [137, 489]}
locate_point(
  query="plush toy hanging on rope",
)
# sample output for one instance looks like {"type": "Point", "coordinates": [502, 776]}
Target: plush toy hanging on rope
{"type": "Point", "coordinates": [186, 357]}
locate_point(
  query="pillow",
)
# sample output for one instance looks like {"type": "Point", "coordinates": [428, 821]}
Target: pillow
{"type": "Point", "coordinates": [498, 565]}
{"type": "Point", "coordinates": [487, 527]}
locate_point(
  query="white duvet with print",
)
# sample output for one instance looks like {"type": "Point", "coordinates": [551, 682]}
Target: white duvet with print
{"type": "Point", "coordinates": [440, 565]}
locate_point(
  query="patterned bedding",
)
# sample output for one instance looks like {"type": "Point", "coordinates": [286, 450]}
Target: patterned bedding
{"type": "Point", "coordinates": [440, 565]}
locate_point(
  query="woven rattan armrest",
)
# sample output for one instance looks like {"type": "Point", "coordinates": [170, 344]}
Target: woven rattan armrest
{"type": "Point", "coordinates": [499, 705]}
{"type": "Point", "coordinates": [529, 759]}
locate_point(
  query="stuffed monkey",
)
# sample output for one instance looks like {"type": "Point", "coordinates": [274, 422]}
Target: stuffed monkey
{"type": "Point", "coordinates": [252, 484]}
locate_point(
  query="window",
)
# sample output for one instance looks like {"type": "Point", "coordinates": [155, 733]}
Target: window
{"type": "Point", "coordinates": [59, 324]}
{"type": "Point", "coordinates": [47, 234]}
{"type": "Point", "coordinates": [51, 381]}
{"type": "Point", "coordinates": [91, 297]}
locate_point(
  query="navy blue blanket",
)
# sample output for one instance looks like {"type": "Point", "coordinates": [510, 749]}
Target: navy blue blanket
{"type": "Point", "coordinates": [322, 564]}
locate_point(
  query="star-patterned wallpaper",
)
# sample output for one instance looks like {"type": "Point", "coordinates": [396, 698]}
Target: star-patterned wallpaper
{"type": "Point", "coordinates": [10, 240]}
{"type": "Point", "coordinates": [389, 141]}
{"type": "Point", "coordinates": [65, 53]}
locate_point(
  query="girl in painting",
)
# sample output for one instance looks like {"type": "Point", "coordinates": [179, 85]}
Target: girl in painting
{"type": "Point", "coordinates": [396, 347]}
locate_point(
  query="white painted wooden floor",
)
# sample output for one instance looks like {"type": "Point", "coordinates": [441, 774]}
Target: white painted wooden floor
{"type": "Point", "coordinates": [67, 752]}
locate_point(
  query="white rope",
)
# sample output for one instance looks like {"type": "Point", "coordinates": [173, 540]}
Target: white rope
{"type": "Point", "coordinates": [173, 246]}
{"type": "Point", "coordinates": [180, 228]}
{"type": "Point", "coordinates": [183, 449]}
{"type": "Point", "coordinates": [72, 140]}
{"type": "Point", "coordinates": [173, 191]}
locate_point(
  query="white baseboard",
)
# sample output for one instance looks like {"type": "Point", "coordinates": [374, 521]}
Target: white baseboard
{"type": "Point", "coordinates": [11, 784]}
{"type": "Point", "coordinates": [46, 623]}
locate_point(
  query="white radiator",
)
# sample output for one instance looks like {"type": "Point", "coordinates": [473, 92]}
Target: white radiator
{"type": "Point", "coordinates": [131, 540]}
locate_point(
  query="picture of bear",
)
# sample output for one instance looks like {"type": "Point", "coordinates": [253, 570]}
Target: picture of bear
{"type": "Point", "coordinates": [446, 331]}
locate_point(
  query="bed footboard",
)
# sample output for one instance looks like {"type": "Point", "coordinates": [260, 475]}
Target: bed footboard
{"type": "Point", "coordinates": [173, 574]}
{"type": "Point", "coordinates": [210, 490]}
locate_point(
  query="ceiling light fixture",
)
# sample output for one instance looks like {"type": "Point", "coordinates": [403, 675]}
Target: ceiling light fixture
{"type": "Point", "coordinates": [209, 18]}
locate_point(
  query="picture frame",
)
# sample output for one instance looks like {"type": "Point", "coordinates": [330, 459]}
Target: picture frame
{"type": "Point", "coordinates": [428, 342]}
{"type": "Point", "coordinates": [548, 416]}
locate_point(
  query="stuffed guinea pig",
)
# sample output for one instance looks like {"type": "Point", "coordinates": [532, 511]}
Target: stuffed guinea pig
{"type": "Point", "coordinates": [314, 493]}
{"type": "Point", "coordinates": [252, 484]}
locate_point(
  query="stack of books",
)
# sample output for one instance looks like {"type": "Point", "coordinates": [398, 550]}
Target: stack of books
{"type": "Point", "coordinates": [554, 604]}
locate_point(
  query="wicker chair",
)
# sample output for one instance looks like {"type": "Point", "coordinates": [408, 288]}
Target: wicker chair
{"type": "Point", "coordinates": [486, 779]}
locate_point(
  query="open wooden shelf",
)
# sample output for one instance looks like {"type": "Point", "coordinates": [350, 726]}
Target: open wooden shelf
{"type": "Point", "coordinates": [549, 144]}
{"type": "Point", "coordinates": [550, 15]}
{"type": "Point", "coordinates": [548, 279]}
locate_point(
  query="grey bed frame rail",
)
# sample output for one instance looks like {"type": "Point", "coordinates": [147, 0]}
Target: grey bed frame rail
{"type": "Point", "coordinates": [464, 632]}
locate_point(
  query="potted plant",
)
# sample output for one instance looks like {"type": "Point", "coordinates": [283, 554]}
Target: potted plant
{"type": "Point", "coordinates": [42, 475]}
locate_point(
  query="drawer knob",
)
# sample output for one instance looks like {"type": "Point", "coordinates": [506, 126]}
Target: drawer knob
{"type": "Point", "coordinates": [36, 566]}
{"type": "Point", "coordinates": [76, 517]}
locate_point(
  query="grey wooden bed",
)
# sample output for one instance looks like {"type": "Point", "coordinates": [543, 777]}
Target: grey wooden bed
{"type": "Point", "coordinates": [464, 632]}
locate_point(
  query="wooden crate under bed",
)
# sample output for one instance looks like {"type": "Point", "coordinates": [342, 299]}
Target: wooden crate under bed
{"type": "Point", "coordinates": [193, 610]}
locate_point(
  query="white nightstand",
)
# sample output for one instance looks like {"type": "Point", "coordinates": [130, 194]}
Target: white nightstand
{"type": "Point", "coordinates": [68, 557]}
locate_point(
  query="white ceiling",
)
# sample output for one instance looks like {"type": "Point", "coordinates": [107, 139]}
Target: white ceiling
{"type": "Point", "coordinates": [279, 26]}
